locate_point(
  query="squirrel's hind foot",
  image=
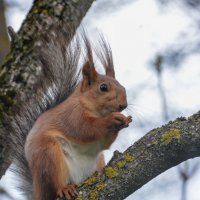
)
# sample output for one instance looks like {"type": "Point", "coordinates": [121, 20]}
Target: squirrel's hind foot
{"type": "Point", "coordinates": [68, 192]}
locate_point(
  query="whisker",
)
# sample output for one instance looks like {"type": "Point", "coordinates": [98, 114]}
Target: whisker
{"type": "Point", "coordinates": [141, 117]}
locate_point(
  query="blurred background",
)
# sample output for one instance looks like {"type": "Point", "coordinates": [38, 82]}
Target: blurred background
{"type": "Point", "coordinates": [156, 49]}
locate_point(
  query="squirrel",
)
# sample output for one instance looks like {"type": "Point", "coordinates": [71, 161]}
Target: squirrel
{"type": "Point", "coordinates": [58, 136]}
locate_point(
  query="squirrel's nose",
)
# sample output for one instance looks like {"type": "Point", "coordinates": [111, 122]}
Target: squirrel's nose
{"type": "Point", "coordinates": [122, 107]}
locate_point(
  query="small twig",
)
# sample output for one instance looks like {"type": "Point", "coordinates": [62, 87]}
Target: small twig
{"type": "Point", "coordinates": [12, 34]}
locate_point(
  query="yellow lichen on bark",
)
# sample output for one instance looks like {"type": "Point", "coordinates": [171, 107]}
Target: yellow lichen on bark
{"type": "Point", "coordinates": [111, 172]}
{"type": "Point", "coordinates": [90, 181]}
{"type": "Point", "coordinates": [167, 137]}
{"type": "Point", "coordinates": [129, 157]}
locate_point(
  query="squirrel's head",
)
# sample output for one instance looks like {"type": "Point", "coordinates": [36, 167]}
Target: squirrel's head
{"type": "Point", "coordinates": [101, 94]}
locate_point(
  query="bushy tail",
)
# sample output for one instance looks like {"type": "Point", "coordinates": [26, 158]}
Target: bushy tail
{"type": "Point", "coordinates": [59, 57]}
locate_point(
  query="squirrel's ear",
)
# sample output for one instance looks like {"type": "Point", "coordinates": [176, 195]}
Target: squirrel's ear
{"type": "Point", "coordinates": [110, 71]}
{"type": "Point", "coordinates": [89, 75]}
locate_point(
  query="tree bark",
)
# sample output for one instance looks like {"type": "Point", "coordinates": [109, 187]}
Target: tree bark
{"type": "Point", "coordinates": [20, 68]}
{"type": "Point", "coordinates": [157, 151]}
{"type": "Point", "coordinates": [4, 42]}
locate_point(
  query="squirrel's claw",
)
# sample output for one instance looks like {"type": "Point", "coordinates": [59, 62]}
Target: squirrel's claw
{"type": "Point", "coordinates": [68, 191]}
{"type": "Point", "coordinates": [119, 121]}
{"type": "Point", "coordinates": [129, 119]}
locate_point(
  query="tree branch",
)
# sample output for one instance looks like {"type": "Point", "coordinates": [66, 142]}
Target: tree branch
{"type": "Point", "coordinates": [157, 151]}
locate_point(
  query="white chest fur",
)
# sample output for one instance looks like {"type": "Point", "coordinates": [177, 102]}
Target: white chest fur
{"type": "Point", "coordinates": [81, 160]}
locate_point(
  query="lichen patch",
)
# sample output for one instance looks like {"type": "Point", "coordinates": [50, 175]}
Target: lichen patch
{"type": "Point", "coordinates": [170, 135]}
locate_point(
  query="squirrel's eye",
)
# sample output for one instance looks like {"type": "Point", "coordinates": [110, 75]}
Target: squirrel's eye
{"type": "Point", "coordinates": [104, 87]}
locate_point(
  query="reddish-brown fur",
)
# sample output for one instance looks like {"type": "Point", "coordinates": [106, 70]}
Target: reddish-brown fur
{"type": "Point", "coordinates": [88, 116]}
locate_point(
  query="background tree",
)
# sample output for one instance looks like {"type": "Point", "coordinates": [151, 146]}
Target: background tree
{"type": "Point", "coordinates": [186, 45]}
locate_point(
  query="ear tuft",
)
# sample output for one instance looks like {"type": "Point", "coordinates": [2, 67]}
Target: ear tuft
{"type": "Point", "coordinates": [104, 53]}
{"type": "Point", "coordinates": [89, 75]}
{"type": "Point", "coordinates": [110, 71]}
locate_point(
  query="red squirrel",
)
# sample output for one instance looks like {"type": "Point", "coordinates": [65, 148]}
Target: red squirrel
{"type": "Point", "coordinates": [66, 133]}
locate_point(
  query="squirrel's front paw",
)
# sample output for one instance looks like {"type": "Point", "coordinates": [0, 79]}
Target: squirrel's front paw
{"type": "Point", "coordinates": [119, 121]}
{"type": "Point", "coordinates": [67, 192]}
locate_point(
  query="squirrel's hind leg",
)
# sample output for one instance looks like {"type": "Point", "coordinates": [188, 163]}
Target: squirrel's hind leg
{"type": "Point", "coordinates": [49, 170]}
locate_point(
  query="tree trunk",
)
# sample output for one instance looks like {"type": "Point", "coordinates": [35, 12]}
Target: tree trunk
{"type": "Point", "coordinates": [4, 42]}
